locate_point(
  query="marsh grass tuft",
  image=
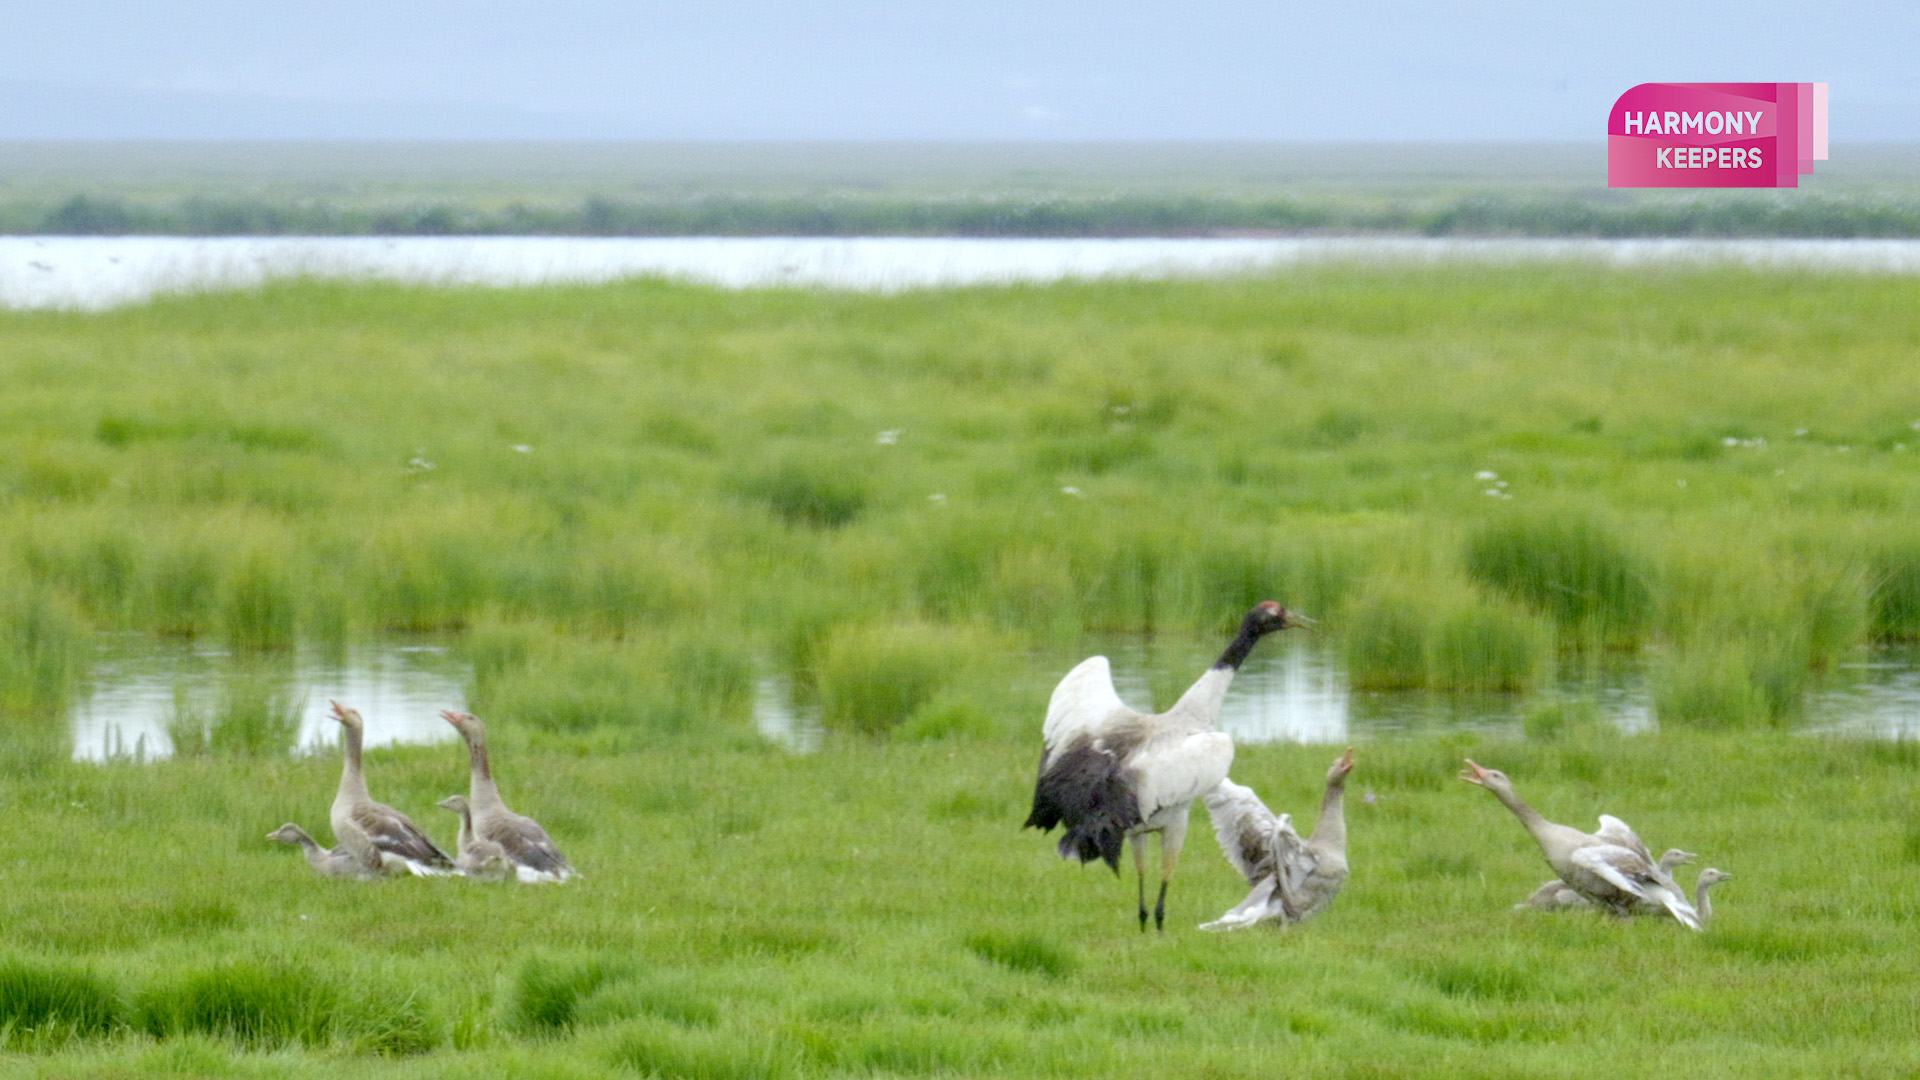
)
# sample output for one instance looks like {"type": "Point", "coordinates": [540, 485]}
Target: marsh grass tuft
{"type": "Point", "coordinates": [1568, 565]}
{"type": "Point", "coordinates": [821, 493]}
{"type": "Point", "coordinates": [546, 992]}
{"type": "Point", "coordinates": [1443, 636]}
{"type": "Point", "coordinates": [44, 643]}
{"type": "Point", "coordinates": [1896, 593]}
{"type": "Point", "coordinates": [1727, 684]}
{"type": "Point", "coordinates": [45, 1005]}
{"type": "Point", "coordinates": [1022, 952]}
{"type": "Point", "coordinates": [255, 1003]}
{"type": "Point", "coordinates": [681, 683]}
{"type": "Point", "coordinates": [654, 1049]}
{"type": "Point", "coordinates": [873, 678]}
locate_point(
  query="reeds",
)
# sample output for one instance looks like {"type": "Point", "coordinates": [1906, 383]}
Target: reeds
{"type": "Point", "coordinates": [1404, 635]}
{"type": "Point", "coordinates": [1568, 565]}
{"type": "Point", "coordinates": [666, 486]}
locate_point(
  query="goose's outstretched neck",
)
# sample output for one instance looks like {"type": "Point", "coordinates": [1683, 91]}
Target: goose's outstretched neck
{"type": "Point", "coordinates": [352, 780]}
{"type": "Point", "coordinates": [1331, 830]}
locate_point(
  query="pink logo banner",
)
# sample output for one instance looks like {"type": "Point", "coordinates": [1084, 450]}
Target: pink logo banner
{"type": "Point", "coordinates": [1760, 135]}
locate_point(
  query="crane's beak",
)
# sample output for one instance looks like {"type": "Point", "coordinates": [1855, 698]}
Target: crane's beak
{"type": "Point", "coordinates": [1293, 620]}
{"type": "Point", "coordinates": [1473, 773]}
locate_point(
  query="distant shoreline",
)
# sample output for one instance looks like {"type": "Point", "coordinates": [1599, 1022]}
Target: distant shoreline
{"type": "Point", "coordinates": [1009, 190]}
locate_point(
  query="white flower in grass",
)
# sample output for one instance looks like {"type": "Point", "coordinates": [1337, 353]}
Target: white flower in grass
{"type": "Point", "coordinates": [418, 463]}
{"type": "Point", "coordinates": [1073, 491]}
{"type": "Point", "coordinates": [938, 497]}
{"type": "Point", "coordinates": [521, 448]}
{"type": "Point", "coordinates": [1486, 474]}
{"type": "Point", "coordinates": [888, 437]}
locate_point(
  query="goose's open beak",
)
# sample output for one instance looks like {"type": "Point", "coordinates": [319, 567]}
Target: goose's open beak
{"type": "Point", "coordinates": [1473, 773]}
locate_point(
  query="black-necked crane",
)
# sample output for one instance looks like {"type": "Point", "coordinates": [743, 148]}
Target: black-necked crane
{"type": "Point", "coordinates": [1610, 867]}
{"type": "Point", "coordinates": [1293, 879]}
{"type": "Point", "coordinates": [382, 838]}
{"type": "Point", "coordinates": [1109, 772]}
{"type": "Point", "coordinates": [528, 849]}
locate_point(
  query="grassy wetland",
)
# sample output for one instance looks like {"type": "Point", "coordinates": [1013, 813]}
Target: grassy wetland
{"type": "Point", "coordinates": [628, 503]}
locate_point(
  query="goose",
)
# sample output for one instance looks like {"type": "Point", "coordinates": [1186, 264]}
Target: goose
{"type": "Point", "coordinates": [1556, 894]}
{"type": "Point", "coordinates": [1610, 867]}
{"type": "Point", "coordinates": [525, 845]}
{"type": "Point", "coordinates": [1108, 772]}
{"type": "Point", "coordinates": [1293, 879]}
{"type": "Point", "coordinates": [482, 860]}
{"type": "Point", "coordinates": [338, 862]}
{"type": "Point", "coordinates": [1708, 878]}
{"type": "Point", "coordinates": [383, 839]}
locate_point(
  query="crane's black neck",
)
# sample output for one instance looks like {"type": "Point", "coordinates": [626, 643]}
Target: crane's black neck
{"type": "Point", "coordinates": [1238, 648]}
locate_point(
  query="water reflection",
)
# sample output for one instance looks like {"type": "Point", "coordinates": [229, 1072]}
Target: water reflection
{"type": "Point", "coordinates": [1299, 692]}
{"type": "Point", "coordinates": [141, 691]}
{"type": "Point", "coordinates": [1877, 698]}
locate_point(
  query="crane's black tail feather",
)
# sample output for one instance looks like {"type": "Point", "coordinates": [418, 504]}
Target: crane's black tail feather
{"type": "Point", "coordinates": [1086, 790]}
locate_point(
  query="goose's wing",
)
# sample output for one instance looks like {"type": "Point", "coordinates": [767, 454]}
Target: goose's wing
{"type": "Point", "coordinates": [1260, 905]}
{"type": "Point", "coordinates": [1174, 770]}
{"type": "Point", "coordinates": [1621, 867]}
{"type": "Point", "coordinates": [1245, 828]}
{"type": "Point", "coordinates": [1297, 861]}
{"type": "Point", "coordinates": [534, 855]}
{"type": "Point", "coordinates": [1084, 705]}
{"type": "Point", "coordinates": [1628, 871]}
{"type": "Point", "coordinates": [1615, 831]}
{"type": "Point", "coordinates": [394, 835]}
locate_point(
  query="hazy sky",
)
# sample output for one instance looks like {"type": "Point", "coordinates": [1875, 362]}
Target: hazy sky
{"type": "Point", "coordinates": [896, 69]}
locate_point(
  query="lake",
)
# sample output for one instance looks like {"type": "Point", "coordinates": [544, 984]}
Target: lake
{"type": "Point", "coordinates": [94, 273]}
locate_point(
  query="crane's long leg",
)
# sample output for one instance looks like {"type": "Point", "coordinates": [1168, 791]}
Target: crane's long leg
{"type": "Point", "coordinates": [1171, 839]}
{"type": "Point", "coordinates": [1140, 874]}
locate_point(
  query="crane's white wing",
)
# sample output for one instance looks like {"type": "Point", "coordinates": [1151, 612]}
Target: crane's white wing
{"type": "Point", "coordinates": [1177, 769]}
{"type": "Point", "coordinates": [1084, 704]}
{"type": "Point", "coordinates": [1244, 827]}
{"type": "Point", "coordinates": [1615, 831]}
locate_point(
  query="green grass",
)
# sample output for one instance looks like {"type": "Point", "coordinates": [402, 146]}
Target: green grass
{"type": "Point", "coordinates": [896, 919]}
{"type": "Point", "coordinates": [629, 504]}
